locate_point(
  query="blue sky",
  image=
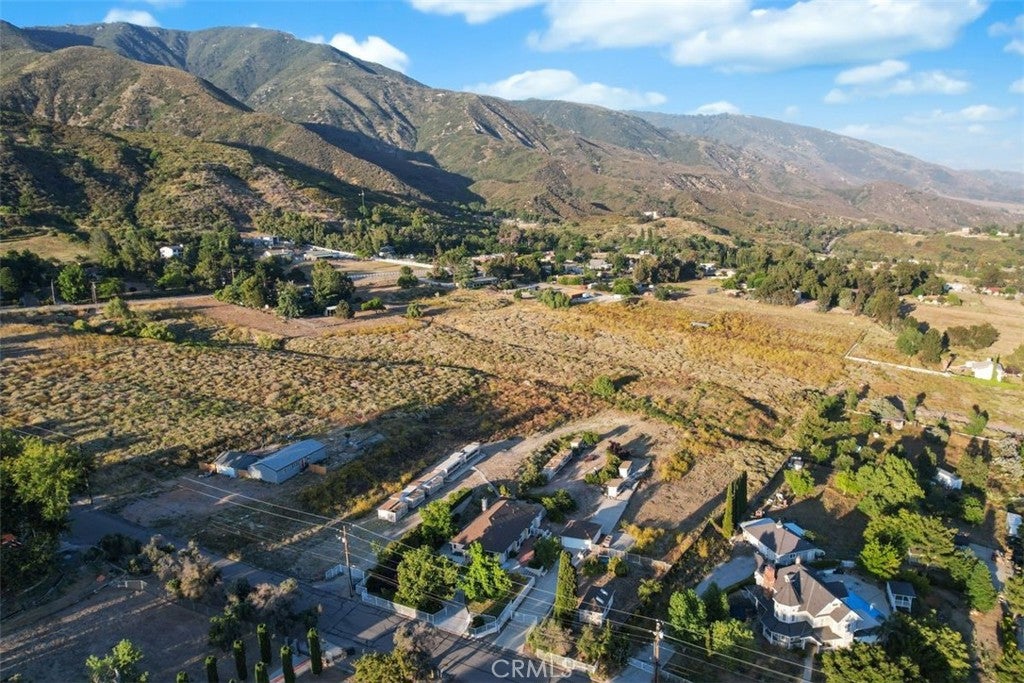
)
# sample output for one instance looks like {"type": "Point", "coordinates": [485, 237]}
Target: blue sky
{"type": "Point", "coordinates": [942, 80]}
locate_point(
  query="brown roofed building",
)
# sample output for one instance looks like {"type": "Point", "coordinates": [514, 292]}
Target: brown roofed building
{"type": "Point", "coordinates": [501, 529]}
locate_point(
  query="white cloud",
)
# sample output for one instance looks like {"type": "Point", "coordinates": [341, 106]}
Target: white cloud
{"type": "Point", "coordinates": [920, 83]}
{"type": "Point", "coordinates": [584, 23]}
{"type": "Point", "coordinates": [1002, 29]}
{"type": "Point", "coordinates": [162, 4]}
{"type": "Point", "coordinates": [1017, 86]}
{"type": "Point", "coordinates": [130, 16]}
{"type": "Point", "coordinates": [827, 31]}
{"type": "Point", "coordinates": [373, 49]}
{"type": "Point", "coordinates": [872, 73]}
{"type": "Point", "coordinates": [976, 113]}
{"type": "Point", "coordinates": [791, 112]}
{"type": "Point", "coordinates": [1016, 46]}
{"type": "Point", "coordinates": [558, 84]}
{"type": "Point", "coordinates": [474, 11]}
{"type": "Point", "coordinates": [712, 108]}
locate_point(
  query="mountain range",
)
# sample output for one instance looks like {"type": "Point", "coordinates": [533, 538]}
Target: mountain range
{"type": "Point", "coordinates": [257, 119]}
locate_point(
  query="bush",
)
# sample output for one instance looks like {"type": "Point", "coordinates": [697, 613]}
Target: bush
{"type": "Point", "coordinates": [800, 481]}
{"type": "Point", "coordinates": [374, 304]}
{"type": "Point", "coordinates": [618, 566]}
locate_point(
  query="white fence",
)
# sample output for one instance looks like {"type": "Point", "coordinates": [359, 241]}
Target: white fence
{"type": "Point", "coordinates": [662, 673]}
{"type": "Point", "coordinates": [434, 619]}
{"type": "Point", "coordinates": [565, 663]}
{"type": "Point", "coordinates": [339, 570]}
{"type": "Point", "coordinates": [506, 614]}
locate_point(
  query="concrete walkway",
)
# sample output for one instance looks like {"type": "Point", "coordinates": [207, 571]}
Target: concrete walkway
{"type": "Point", "coordinates": [728, 573]}
{"type": "Point", "coordinates": [535, 606]}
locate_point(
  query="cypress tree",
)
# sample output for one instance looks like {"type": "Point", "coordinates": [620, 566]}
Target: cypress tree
{"type": "Point", "coordinates": [262, 676]}
{"type": "Point", "coordinates": [263, 636]}
{"type": "Point", "coordinates": [182, 677]}
{"type": "Point", "coordinates": [286, 664]}
{"type": "Point", "coordinates": [565, 590]}
{"type": "Point", "coordinates": [728, 523]}
{"type": "Point", "coordinates": [741, 495]}
{"type": "Point", "coordinates": [241, 668]}
{"type": "Point", "coordinates": [316, 662]}
{"type": "Point", "coordinates": [211, 670]}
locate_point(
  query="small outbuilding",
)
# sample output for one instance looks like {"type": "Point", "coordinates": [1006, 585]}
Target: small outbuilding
{"type": "Point", "coordinates": [234, 464]}
{"type": "Point", "coordinates": [949, 480]}
{"type": "Point", "coordinates": [579, 535]}
{"type": "Point", "coordinates": [393, 509]}
{"type": "Point", "coordinates": [595, 604]}
{"type": "Point", "coordinates": [289, 461]}
{"type": "Point", "coordinates": [613, 487]}
{"type": "Point", "coordinates": [901, 595]}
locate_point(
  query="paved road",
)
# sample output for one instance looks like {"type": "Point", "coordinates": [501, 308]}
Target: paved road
{"type": "Point", "coordinates": [343, 621]}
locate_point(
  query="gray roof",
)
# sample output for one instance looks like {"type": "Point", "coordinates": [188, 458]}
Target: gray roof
{"type": "Point", "coordinates": [292, 453]}
{"type": "Point", "coordinates": [238, 460]}
{"type": "Point", "coordinates": [902, 588]}
{"type": "Point", "coordinates": [587, 531]}
{"type": "Point", "coordinates": [596, 599]}
{"type": "Point", "coordinates": [799, 586]}
{"type": "Point", "coordinates": [777, 538]}
{"type": "Point", "coordinates": [500, 525]}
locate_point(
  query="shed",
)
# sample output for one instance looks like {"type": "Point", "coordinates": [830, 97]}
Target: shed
{"type": "Point", "coordinates": [288, 461]}
{"type": "Point", "coordinates": [430, 483]}
{"type": "Point", "coordinates": [901, 595]}
{"type": "Point", "coordinates": [613, 487]}
{"type": "Point", "coordinates": [595, 604]}
{"type": "Point", "coordinates": [413, 495]}
{"type": "Point", "coordinates": [450, 464]}
{"type": "Point", "coordinates": [580, 535]}
{"type": "Point", "coordinates": [1013, 521]}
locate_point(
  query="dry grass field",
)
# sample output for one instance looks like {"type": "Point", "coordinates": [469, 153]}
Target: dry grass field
{"type": "Point", "coordinates": [49, 245]}
{"type": "Point", "coordinates": [1005, 315]}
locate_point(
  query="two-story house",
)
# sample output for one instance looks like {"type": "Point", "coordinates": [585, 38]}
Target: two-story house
{"type": "Point", "coordinates": [780, 544]}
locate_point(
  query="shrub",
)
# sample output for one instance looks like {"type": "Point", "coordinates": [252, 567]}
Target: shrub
{"type": "Point", "coordinates": [800, 481]}
{"type": "Point", "coordinates": [374, 304]}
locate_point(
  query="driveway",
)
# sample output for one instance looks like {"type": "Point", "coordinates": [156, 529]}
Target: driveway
{"type": "Point", "coordinates": [535, 606]}
{"type": "Point", "coordinates": [730, 572]}
{"type": "Point", "coordinates": [985, 555]}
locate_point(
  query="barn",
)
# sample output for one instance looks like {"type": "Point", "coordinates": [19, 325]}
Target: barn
{"type": "Point", "coordinates": [289, 461]}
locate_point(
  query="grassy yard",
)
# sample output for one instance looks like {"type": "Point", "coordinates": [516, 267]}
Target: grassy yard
{"type": "Point", "coordinates": [493, 607]}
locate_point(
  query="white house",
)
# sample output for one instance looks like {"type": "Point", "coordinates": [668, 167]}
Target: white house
{"type": "Point", "coordinates": [901, 595]}
{"type": "Point", "coordinates": [778, 543]}
{"type": "Point", "coordinates": [986, 369]}
{"type": "Point", "coordinates": [430, 483]}
{"type": "Point", "coordinates": [413, 495]}
{"type": "Point", "coordinates": [1013, 522]}
{"type": "Point", "coordinates": [579, 535]}
{"type": "Point", "coordinates": [501, 529]}
{"type": "Point", "coordinates": [393, 509]}
{"type": "Point", "coordinates": [172, 251]}
{"type": "Point", "coordinates": [948, 479]}
{"type": "Point", "coordinates": [800, 607]}
{"type": "Point", "coordinates": [613, 487]}
{"type": "Point", "coordinates": [555, 464]}
{"type": "Point", "coordinates": [288, 461]}
{"type": "Point", "coordinates": [595, 604]}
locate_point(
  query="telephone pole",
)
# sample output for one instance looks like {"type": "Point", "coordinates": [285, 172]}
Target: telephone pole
{"type": "Point", "coordinates": [348, 564]}
{"type": "Point", "coordinates": [657, 640]}
{"type": "Point", "coordinates": [53, 292]}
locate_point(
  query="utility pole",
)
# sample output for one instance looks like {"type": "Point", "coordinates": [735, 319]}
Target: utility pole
{"type": "Point", "coordinates": [348, 564]}
{"type": "Point", "coordinates": [93, 292]}
{"type": "Point", "coordinates": [657, 640]}
{"type": "Point", "coordinates": [53, 292]}
{"type": "Point", "coordinates": [362, 198]}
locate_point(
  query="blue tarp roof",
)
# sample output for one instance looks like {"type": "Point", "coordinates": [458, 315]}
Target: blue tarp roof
{"type": "Point", "coordinates": [291, 453]}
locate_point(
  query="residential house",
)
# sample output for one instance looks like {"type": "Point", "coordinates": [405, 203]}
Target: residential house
{"type": "Point", "coordinates": [501, 529]}
{"type": "Point", "coordinates": [288, 461]}
{"type": "Point", "coordinates": [778, 543]}
{"type": "Point", "coordinates": [595, 604]}
{"type": "Point", "coordinates": [901, 595]}
{"type": "Point", "coordinates": [801, 607]}
{"type": "Point", "coordinates": [986, 369]}
{"type": "Point", "coordinates": [556, 463]}
{"type": "Point", "coordinates": [172, 251]}
{"type": "Point", "coordinates": [430, 483]}
{"type": "Point", "coordinates": [580, 535]}
{"type": "Point", "coordinates": [1013, 522]}
{"type": "Point", "coordinates": [413, 495]}
{"type": "Point", "coordinates": [393, 509]}
{"type": "Point", "coordinates": [949, 480]}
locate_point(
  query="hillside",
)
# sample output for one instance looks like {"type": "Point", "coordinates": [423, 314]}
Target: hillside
{"type": "Point", "coordinates": [839, 160]}
{"type": "Point", "coordinates": [325, 114]}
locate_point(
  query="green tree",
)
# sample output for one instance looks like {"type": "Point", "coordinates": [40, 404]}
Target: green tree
{"type": "Point", "coordinates": [973, 577]}
{"type": "Point", "coordinates": [882, 556]}
{"type": "Point", "coordinates": [647, 590]}
{"type": "Point", "coordinates": [374, 304]}
{"type": "Point", "coordinates": [316, 662]}
{"type": "Point", "coordinates": [550, 636]}
{"type": "Point", "coordinates": [121, 665]}
{"type": "Point", "coordinates": [977, 421]}
{"type": "Point", "coordinates": [288, 300]}
{"type": "Point", "coordinates": [413, 311]}
{"type": "Point", "coordinates": [938, 651]}
{"type": "Point", "coordinates": [344, 310]}
{"type": "Point", "coordinates": [260, 672]}
{"type": "Point", "coordinates": [329, 285]}
{"type": "Point", "coordinates": [800, 481]}
{"type": "Point", "coordinates": [241, 666]}
{"type": "Point", "coordinates": [887, 486]}
{"type": "Point", "coordinates": [623, 287]}
{"type": "Point", "coordinates": [1010, 667]}
{"type": "Point", "coordinates": [484, 578]}
{"type": "Point", "coordinates": [1013, 591]}
{"type": "Point", "coordinates": [406, 280]}
{"type": "Point", "coordinates": [211, 669]}
{"type": "Point", "coordinates": [884, 306]}
{"type": "Point", "coordinates": [182, 677]}
{"type": "Point", "coordinates": [438, 523]}
{"type": "Point", "coordinates": [741, 495]}
{"type": "Point", "coordinates": [972, 510]}
{"type": "Point", "coordinates": [729, 510]}
{"type": "Point", "coordinates": [688, 615]}
{"type": "Point", "coordinates": [414, 646]}
{"type": "Point", "coordinates": [117, 309]}
{"type": "Point", "coordinates": [716, 603]}
{"type": "Point", "coordinates": [909, 340]}
{"type": "Point", "coordinates": [263, 637]}
{"type": "Point", "coordinates": [377, 667]}
{"type": "Point", "coordinates": [604, 387]}
{"type": "Point", "coordinates": [731, 639]}
{"type": "Point", "coordinates": [71, 283]}
{"type": "Point", "coordinates": [932, 346]}
{"type": "Point", "coordinates": [287, 668]}
{"type": "Point", "coordinates": [865, 663]}
{"type": "Point", "coordinates": [424, 578]}
{"type": "Point", "coordinates": [565, 590]}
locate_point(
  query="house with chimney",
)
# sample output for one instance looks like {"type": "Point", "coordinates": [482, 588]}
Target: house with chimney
{"type": "Point", "coordinates": [781, 544]}
{"type": "Point", "coordinates": [799, 606]}
{"type": "Point", "coordinates": [501, 528]}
